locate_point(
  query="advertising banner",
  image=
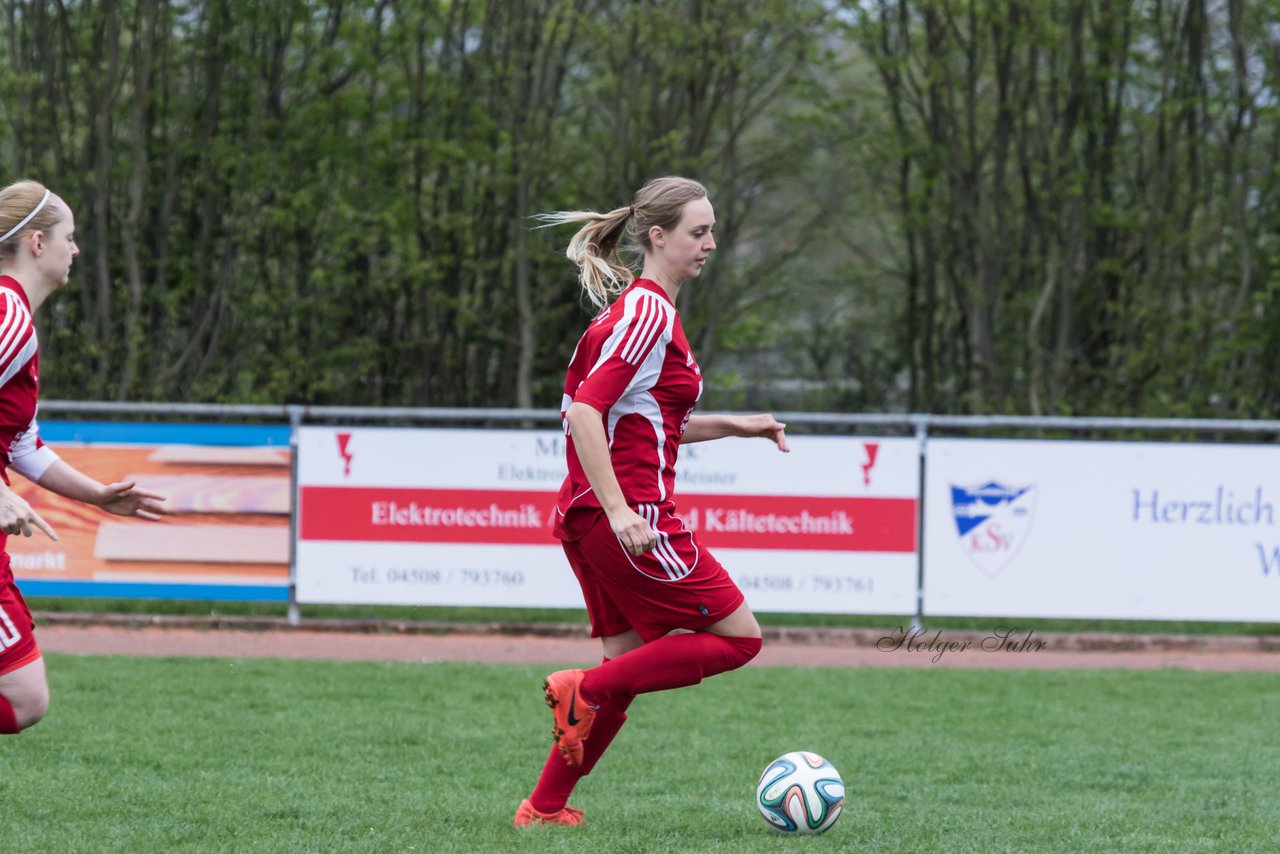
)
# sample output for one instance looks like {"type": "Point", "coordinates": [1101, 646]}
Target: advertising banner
{"type": "Point", "coordinates": [1102, 530]}
{"type": "Point", "coordinates": [463, 517]}
{"type": "Point", "coordinates": [227, 535]}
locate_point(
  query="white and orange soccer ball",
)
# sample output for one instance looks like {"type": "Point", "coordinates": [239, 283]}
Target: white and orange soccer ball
{"type": "Point", "coordinates": [800, 792]}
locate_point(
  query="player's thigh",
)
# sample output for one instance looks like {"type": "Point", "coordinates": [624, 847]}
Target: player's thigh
{"type": "Point", "coordinates": [27, 690]}
{"type": "Point", "coordinates": [678, 585]}
{"type": "Point", "coordinates": [617, 645]}
{"type": "Point", "coordinates": [607, 619]}
{"type": "Point", "coordinates": [740, 624]}
{"type": "Point", "coordinates": [22, 674]}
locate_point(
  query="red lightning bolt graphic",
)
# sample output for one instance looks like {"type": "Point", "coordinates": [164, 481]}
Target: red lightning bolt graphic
{"type": "Point", "coordinates": [343, 439]}
{"type": "Point", "coordinates": [873, 448]}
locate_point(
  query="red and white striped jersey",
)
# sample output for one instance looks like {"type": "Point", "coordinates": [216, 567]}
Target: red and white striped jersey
{"type": "Point", "coordinates": [20, 445]}
{"type": "Point", "coordinates": [634, 365]}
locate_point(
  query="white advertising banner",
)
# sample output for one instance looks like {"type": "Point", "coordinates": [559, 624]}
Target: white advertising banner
{"type": "Point", "coordinates": [1102, 530]}
{"type": "Point", "coordinates": [463, 517]}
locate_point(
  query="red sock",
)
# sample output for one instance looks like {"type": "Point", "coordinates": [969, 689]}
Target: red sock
{"type": "Point", "coordinates": [8, 720]}
{"type": "Point", "coordinates": [673, 661]}
{"type": "Point", "coordinates": [670, 662]}
{"type": "Point", "coordinates": [559, 777]}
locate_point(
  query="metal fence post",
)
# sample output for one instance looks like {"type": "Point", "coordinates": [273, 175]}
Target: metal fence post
{"type": "Point", "coordinates": [922, 441]}
{"type": "Point", "coordinates": [295, 421]}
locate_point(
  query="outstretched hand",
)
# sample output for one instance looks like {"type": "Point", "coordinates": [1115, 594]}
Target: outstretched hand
{"type": "Point", "coordinates": [128, 499]}
{"type": "Point", "coordinates": [17, 516]}
{"type": "Point", "coordinates": [765, 426]}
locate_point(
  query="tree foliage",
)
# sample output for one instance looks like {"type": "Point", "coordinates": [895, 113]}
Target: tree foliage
{"type": "Point", "coordinates": [330, 201]}
{"type": "Point", "coordinates": [935, 205]}
{"type": "Point", "coordinates": [1086, 198]}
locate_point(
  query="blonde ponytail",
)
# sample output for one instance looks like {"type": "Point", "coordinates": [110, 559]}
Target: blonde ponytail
{"type": "Point", "coordinates": [595, 251]}
{"type": "Point", "coordinates": [598, 246]}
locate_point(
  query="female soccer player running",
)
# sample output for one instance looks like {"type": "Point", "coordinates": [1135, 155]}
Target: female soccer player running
{"type": "Point", "coordinates": [665, 609]}
{"type": "Point", "coordinates": [37, 247]}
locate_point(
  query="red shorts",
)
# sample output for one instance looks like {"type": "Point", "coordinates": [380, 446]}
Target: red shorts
{"type": "Point", "coordinates": [678, 585]}
{"type": "Point", "coordinates": [17, 629]}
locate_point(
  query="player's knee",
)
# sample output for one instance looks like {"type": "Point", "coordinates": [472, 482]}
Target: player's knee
{"type": "Point", "coordinates": [743, 649]}
{"type": "Point", "coordinates": [32, 709]}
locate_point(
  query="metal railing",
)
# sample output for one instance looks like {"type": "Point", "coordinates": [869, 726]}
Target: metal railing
{"type": "Point", "coordinates": [292, 413]}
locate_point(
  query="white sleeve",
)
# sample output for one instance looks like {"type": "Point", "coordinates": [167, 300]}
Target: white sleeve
{"type": "Point", "coordinates": [31, 458]}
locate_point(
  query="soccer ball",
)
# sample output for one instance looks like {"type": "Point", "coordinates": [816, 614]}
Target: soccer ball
{"type": "Point", "coordinates": [800, 792]}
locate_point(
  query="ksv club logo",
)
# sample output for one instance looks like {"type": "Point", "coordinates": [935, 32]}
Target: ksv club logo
{"type": "Point", "coordinates": [993, 521]}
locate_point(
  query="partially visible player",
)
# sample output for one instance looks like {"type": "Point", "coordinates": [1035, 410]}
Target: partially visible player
{"type": "Point", "coordinates": [664, 608]}
{"type": "Point", "coordinates": [37, 247]}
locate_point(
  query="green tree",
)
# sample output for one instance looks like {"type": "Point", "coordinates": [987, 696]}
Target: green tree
{"type": "Point", "coordinates": [1082, 193]}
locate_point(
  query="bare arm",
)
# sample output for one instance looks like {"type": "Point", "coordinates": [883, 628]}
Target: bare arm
{"type": "Point", "coordinates": [704, 428]}
{"type": "Point", "coordinates": [586, 424]}
{"type": "Point", "coordinates": [122, 499]}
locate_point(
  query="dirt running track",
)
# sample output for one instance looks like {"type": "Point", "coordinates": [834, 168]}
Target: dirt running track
{"type": "Point", "coordinates": [554, 644]}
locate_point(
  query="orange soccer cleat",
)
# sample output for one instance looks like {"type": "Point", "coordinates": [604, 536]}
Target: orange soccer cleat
{"type": "Point", "coordinates": [527, 816]}
{"type": "Point", "coordinates": [573, 717]}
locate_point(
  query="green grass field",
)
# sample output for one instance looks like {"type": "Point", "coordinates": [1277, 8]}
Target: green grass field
{"type": "Point", "coordinates": [440, 613]}
{"type": "Point", "coordinates": [169, 755]}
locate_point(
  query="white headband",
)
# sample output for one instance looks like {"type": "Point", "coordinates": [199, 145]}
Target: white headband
{"type": "Point", "coordinates": [28, 218]}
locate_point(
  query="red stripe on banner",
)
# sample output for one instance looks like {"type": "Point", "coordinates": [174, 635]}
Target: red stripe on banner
{"type": "Point", "coordinates": [377, 514]}
{"type": "Point", "coordinates": [373, 514]}
{"type": "Point", "coordinates": [802, 522]}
